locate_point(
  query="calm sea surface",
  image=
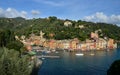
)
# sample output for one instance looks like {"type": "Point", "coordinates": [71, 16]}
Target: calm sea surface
{"type": "Point", "coordinates": [70, 64]}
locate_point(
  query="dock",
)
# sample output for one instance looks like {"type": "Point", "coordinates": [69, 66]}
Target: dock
{"type": "Point", "coordinates": [47, 56]}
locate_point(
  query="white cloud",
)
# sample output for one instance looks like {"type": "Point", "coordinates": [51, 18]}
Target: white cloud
{"type": "Point", "coordinates": [23, 13]}
{"type": "Point", "coordinates": [11, 13]}
{"type": "Point", "coordinates": [101, 17]}
{"type": "Point", "coordinates": [1, 12]}
{"type": "Point", "coordinates": [35, 12]}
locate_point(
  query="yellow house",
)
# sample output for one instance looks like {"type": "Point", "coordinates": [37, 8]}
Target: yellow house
{"type": "Point", "coordinates": [60, 45]}
{"type": "Point", "coordinates": [46, 43]}
{"type": "Point", "coordinates": [83, 47]}
{"type": "Point", "coordinates": [73, 44]}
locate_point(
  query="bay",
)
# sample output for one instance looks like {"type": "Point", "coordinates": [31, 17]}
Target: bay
{"type": "Point", "coordinates": [70, 64]}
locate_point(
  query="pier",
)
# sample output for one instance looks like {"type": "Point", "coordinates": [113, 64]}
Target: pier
{"type": "Point", "coordinates": [47, 56]}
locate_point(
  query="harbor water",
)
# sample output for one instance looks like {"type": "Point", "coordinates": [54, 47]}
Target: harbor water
{"type": "Point", "coordinates": [71, 64]}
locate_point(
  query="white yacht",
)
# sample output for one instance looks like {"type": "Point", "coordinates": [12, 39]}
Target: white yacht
{"type": "Point", "coordinates": [79, 54]}
{"type": "Point", "coordinates": [92, 54]}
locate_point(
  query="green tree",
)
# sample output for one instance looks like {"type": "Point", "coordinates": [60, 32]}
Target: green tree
{"type": "Point", "coordinates": [17, 45]}
{"type": "Point", "coordinates": [12, 64]}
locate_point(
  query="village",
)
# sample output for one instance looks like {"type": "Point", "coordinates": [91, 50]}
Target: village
{"type": "Point", "coordinates": [95, 43]}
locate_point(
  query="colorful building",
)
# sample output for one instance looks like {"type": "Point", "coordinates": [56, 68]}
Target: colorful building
{"type": "Point", "coordinates": [110, 44]}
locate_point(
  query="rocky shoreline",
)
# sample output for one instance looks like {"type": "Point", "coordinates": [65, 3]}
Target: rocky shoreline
{"type": "Point", "coordinates": [36, 65]}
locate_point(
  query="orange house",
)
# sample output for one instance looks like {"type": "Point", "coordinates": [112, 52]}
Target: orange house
{"type": "Point", "coordinates": [37, 42]}
{"type": "Point", "coordinates": [28, 47]}
{"type": "Point", "coordinates": [52, 44]}
{"type": "Point", "coordinates": [110, 44]}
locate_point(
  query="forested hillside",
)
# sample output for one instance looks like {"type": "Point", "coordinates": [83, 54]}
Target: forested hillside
{"type": "Point", "coordinates": [52, 25]}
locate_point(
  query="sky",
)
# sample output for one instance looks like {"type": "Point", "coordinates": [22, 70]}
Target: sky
{"type": "Point", "coordinates": [107, 11]}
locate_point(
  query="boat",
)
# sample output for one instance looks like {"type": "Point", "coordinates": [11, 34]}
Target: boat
{"type": "Point", "coordinates": [42, 58]}
{"type": "Point", "coordinates": [92, 54]}
{"type": "Point", "coordinates": [53, 50]}
{"type": "Point", "coordinates": [56, 52]}
{"type": "Point", "coordinates": [79, 54]}
{"type": "Point", "coordinates": [48, 51]}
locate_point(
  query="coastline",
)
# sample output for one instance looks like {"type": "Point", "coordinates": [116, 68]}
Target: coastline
{"type": "Point", "coordinates": [36, 65]}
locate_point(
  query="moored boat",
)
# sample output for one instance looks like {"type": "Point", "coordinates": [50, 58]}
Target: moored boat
{"type": "Point", "coordinates": [79, 54]}
{"type": "Point", "coordinates": [92, 54]}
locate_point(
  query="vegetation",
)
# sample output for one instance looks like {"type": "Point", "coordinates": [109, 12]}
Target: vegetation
{"type": "Point", "coordinates": [6, 36]}
{"type": "Point", "coordinates": [12, 64]}
{"type": "Point", "coordinates": [7, 39]}
{"type": "Point", "coordinates": [114, 68]}
{"type": "Point", "coordinates": [12, 60]}
{"type": "Point", "coordinates": [55, 26]}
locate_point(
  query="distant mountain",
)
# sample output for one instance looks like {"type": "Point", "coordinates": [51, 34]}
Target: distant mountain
{"type": "Point", "coordinates": [19, 18]}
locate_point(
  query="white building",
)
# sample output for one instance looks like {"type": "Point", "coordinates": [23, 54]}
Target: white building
{"type": "Point", "coordinates": [67, 23]}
